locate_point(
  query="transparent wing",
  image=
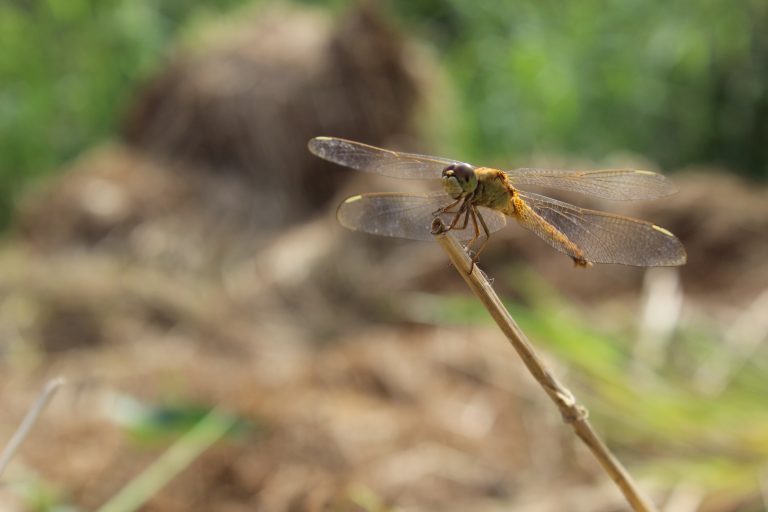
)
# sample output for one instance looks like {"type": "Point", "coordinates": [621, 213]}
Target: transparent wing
{"type": "Point", "coordinates": [406, 216]}
{"type": "Point", "coordinates": [598, 237]}
{"type": "Point", "coordinates": [617, 184]}
{"type": "Point", "coordinates": [379, 161]}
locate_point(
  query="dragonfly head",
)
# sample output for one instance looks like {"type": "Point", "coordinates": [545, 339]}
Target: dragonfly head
{"type": "Point", "coordinates": [459, 180]}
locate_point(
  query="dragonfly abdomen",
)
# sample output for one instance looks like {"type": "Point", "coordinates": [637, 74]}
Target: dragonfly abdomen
{"type": "Point", "coordinates": [529, 219]}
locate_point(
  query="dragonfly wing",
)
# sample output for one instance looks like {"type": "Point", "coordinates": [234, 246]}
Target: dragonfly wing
{"type": "Point", "coordinates": [616, 184]}
{"type": "Point", "coordinates": [598, 237]}
{"type": "Point", "coordinates": [379, 161]}
{"type": "Point", "coordinates": [406, 215]}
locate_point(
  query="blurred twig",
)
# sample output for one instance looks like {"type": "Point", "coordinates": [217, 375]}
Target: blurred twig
{"type": "Point", "coordinates": [572, 413]}
{"type": "Point", "coordinates": [29, 420]}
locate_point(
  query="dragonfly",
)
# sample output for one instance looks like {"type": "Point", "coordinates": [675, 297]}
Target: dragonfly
{"type": "Point", "coordinates": [474, 202]}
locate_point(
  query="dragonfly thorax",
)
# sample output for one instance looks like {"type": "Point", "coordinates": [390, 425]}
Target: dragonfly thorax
{"type": "Point", "coordinates": [459, 180]}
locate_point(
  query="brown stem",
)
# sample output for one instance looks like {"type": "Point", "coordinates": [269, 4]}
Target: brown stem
{"type": "Point", "coordinates": [31, 417]}
{"type": "Point", "coordinates": [573, 413]}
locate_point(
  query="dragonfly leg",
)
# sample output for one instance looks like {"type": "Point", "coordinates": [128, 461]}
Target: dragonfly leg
{"type": "Point", "coordinates": [466, 220]}
{"type": "Point", "coordinates": [445, 209]}
{"type": "Point", "coordinates": [455, 221]}
{"type": "Point", "coordinates": [486, 232]}
{"type": "Point", "coordinates": [475, 215]}
{"type": "Point", "coordinates": [471, 213]}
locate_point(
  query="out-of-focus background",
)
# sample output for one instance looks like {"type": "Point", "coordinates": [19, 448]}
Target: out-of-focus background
{"type": "Point", "coordinates": [170, 248]}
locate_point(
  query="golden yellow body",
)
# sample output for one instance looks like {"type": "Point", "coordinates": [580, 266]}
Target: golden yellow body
{"type": "Point", "coordinates": [495, 191]}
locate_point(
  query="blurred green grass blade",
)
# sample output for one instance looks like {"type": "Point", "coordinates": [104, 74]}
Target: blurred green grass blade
{"type": "Point", "coordinates": [209, 430]}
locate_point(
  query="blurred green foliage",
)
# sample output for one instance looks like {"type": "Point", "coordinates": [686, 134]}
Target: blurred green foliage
{"type": "Point", "coordinates": [152, 425]}
{"type": "Point", "coordinates": [67, 68]}
{"type": "Point", "coordinates": [679, 82]}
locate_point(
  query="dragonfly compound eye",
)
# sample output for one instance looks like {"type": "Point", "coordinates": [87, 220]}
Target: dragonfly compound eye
{"type": "Point", "coordinates": [464, 172]}
{"type": "Point", "coordinates": [459, 179]}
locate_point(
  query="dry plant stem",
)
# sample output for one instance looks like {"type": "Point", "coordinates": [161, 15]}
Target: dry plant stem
{"type": "Point", "coordinates": [29, 420]}
{"type": "Point", "coordinates": [573, 414]}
